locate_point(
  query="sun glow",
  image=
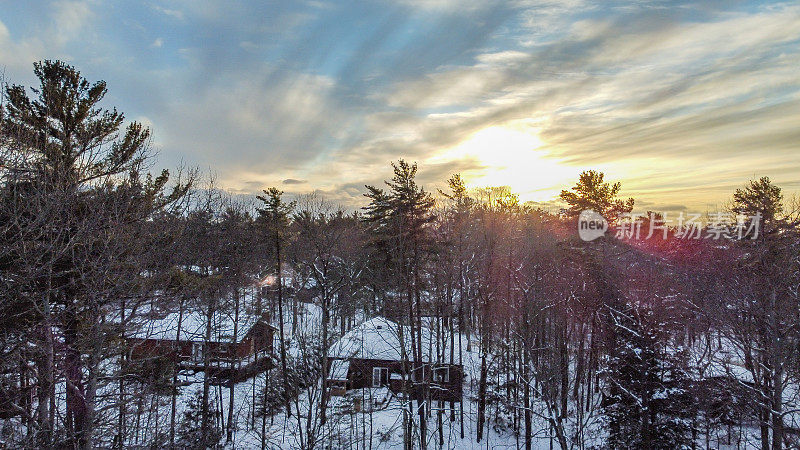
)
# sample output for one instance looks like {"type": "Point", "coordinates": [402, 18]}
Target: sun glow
{"type": "Point", "coordinates": [513, 157]}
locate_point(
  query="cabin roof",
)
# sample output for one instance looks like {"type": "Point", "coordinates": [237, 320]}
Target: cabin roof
{"type": "Point", "coordinates": [378, 338]}
{"type": "Point", "coordinates": [193, 326]}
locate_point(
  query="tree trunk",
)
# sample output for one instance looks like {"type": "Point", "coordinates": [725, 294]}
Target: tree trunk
{"type": "Point", "coordinates": [280, 324]}
{"type": "Point", "coordinates": [176, 371]}
{"type": "Point", "coordinates": [764, 427]}
{"type": "Point", "coordinates": [422, 391]}
{"type": "Point", "coordinates": [526, 378]}
{"type": "Point", "coordinates": [76, 396]}
{"type": "Point", "coordinates": [122, 366]}
{"type": "Point", "coordinates": [777, 377]}
{"type": "Point", "coordinates": [45, 388]}
{"type": "Point", "coordinates": [460, 345]}
{"type": "Point", "coordinates": [323, 404]}
{"type": "Point", "coordinates": [205, 414]}
{"type": "Point", "coordinates": [482, 392]}
{"type": "Point", "coordinates": [91, 385]}
{"type": "Point", "coordinates": [234, 365]}
{"type": "Point", "coordinates": [264, 413]}
{"type": "Point", "coordinates": [564, 363]}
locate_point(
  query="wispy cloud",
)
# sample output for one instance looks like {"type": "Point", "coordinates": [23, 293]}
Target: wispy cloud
{"type": "Point", "coordinates": [322, 95]}
{"type": "Point", "coordinates": [177, 14]}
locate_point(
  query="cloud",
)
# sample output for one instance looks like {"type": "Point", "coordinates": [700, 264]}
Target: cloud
{"type": "Point", "coordinates": [678, 99]}
{"type": "Point", "coordinates": [174, 13]}
{"type": "Point", "coordinates": [271, 124]}
{"type": "Point", "coordinates": [610, 91]}
{"type": "Point", "coordinates": [672, 208]}
{"type": "Point", "coordinates": [71, 18]}
{"type": "Point", "coordinates": [67, 22]}
{"type": "Point", "coordinates": [627, 86]}
{"type": "Point", "coordinates": [18, 56]}
{"type": "Point", "coordinates": [448, 6]}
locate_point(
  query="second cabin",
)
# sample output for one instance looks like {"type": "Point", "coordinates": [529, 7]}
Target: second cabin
{"type": "Point", "coordinates": [369, 355]}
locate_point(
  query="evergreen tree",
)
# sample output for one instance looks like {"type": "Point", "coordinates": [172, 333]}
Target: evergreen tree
{"type": "Point", "coordinates": [649, 403]}
{"type": "Point", "coordinates": [273, 218]}
{"type": "Point", "coordinates": [400, 222]}
{"type": "Point", "coordinates": [190, 432]}
{"type": "Point", "coordinates": [764, 323]}
{"type": "Point", "coordinates": [72, 155]}
{"type": "Point", "coordinates": [759, 197]}
{"type": "Point", "coordinates": [592, 192]}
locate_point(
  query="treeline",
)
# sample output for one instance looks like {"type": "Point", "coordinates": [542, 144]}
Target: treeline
{"type": "Point", "coordinates": [664, 342]}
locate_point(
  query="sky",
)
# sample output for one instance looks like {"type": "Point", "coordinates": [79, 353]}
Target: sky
{"type": "Point", "coordinates": [682, 102]}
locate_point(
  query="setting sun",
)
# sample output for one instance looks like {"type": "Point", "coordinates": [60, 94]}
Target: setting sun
{"type": "Point", "coordinates": [515, 157]}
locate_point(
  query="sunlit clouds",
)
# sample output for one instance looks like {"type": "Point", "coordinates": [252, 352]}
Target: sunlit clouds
{"type": "Point", "coordinates": [513, 157]}
{"type": "Point", "coordinates": [682, 101]}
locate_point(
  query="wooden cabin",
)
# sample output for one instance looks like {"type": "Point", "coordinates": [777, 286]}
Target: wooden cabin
{"type": "Point", "coordinates": [159, 337]}
{"type": "Point", "coordinates": [369, 356]}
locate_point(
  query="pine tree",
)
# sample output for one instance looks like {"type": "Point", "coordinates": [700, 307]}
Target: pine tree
{"type": "Point", "coordinates": [759, 197]}
{"type": "Point", "coordinates": [765, 288]}
{"type": "Point", "coordinates": [400, 222]}
{"type": "Point", "coordinates": [649, 403]}
{"type": "Point", "coordinates": [190, 432]}
{"type": "Point", "coordinates": [74, 156]}
{"type": "Point", "coordinates": [592, 192]}
{"type": "Point", "coordinates": [273, 217]}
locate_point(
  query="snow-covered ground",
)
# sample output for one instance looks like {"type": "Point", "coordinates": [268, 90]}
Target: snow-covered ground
{"type": "Point", "coordinates": [373, 418]}
{"type": "Point", "coordinates": [376, 423]}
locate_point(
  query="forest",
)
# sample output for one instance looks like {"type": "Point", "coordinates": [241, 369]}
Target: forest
{"type": "Point", "coordinates": [686, 337]}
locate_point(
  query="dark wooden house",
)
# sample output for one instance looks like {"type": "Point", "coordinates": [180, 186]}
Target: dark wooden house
{"type": "Point", "coordinates": [251, 350]}
{"type": "Point", "coordinates": [369, 355]}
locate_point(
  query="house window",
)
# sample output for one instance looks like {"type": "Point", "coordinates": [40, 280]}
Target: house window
{"type": "Point", "coordinates": [380, 376]}
{"type": "Point", "coordinates": [441, 374]}
{"type": "Point", "coordinates": [197, 351]}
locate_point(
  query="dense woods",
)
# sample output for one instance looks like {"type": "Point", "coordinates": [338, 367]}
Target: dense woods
{"type": "Point", "coordinates": [666, 341]}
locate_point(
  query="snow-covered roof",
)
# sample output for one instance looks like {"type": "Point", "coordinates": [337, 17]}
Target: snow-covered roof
{"type": "Point", "coordinates": [377, 338]}
{"type": "Point", "coordinates": [339, 369]}
{"type": "Point", "coordinates": [193, 326]}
